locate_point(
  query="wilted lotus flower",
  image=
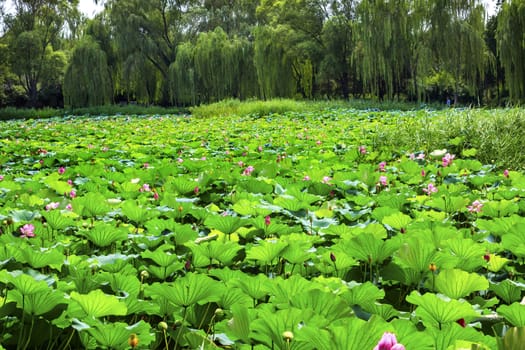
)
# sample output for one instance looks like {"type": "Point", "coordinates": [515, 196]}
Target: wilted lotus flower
{"type": "Point", "coordinates": [389, 342]}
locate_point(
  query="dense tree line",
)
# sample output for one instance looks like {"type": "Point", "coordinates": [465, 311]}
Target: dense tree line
{"type": "Point", "coordinates": [188, 52]}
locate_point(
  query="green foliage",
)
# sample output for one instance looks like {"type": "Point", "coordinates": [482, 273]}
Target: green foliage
{"type": "Point", "coordinates": [87, 81]}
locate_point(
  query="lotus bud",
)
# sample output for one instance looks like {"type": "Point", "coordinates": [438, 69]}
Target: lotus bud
{"type": "Point", "coordinates": [332, 257]}
{"type": "Point", "coordinates": [219, 312]}
{"type": "Point", "coordinates": [163, 326]}
{"type": "Point", "coordinates": [288, 336]}
{"type": "Point", "coordinates": [133, 340]}
{"type": "Point", "coordinates": [432, 267]}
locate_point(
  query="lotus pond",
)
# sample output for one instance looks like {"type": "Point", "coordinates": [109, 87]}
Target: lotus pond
{"type": "Point", "coordinates": [295, 231]}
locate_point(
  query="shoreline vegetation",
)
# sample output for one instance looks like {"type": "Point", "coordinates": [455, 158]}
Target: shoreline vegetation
{"type": "Point", "coordinates": [221, 108]}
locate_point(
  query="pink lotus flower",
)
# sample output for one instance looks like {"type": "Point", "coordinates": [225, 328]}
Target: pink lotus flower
{"type": "Point", "coordinates": [447, 160]}
{"type": "Point", "coordinates": [73, 193]}
{"type": "Point", "coordinates": [69, 207]}
{"type": "Point", "coordinates": [423, 173]}
{"type": "Point", "coordinates": [1, 177]}
{"type": "Point", "coordinates": [180, 160]}
{"type": "Point", "coordinates": [362, 149]}
{"type": "Point", "coordinates": [28, 230]}
{"type": "Point", "coordinates": [196, 190]}
{"type": "Point", "coordinates": [318, 143]}
{"type": "Point", "coordinates": [145, 188]}
{"type": "Point", "coordinates": [248, 171]}
{"type": "Point", "coordinates": [306, 178]}
{"type": "Point", "coordinates": [389, 342]}
{"type": "Point", "coordinates": [52, 205]}
{"type": "Point", "coordinates": [383, 180]}
{"type": "Point", "coordinates": [430, 189]}
{"type": "Point", "coordinates": [506, 173]}
{"type": "Point", "coordinates": [326, 179]}
{"type": "Point", "coordinates": [155, 196]}
{"type": "Point", "coordinates": [267, 220]}
{"type": "Point", "coordinates": [146, 165]}
{"type": "Point", "coordinates": [61, 170]}
{"type": "Point", "coordinates": [240, 163]}
{"type": "Point", "coordinates": [69, 182]}
{"type": "Point", "coordinates": [475, 207]}
{"type": "Point", "coordinates": [382, 166]}
{"type": "Point", "coordinates": [260, 148]}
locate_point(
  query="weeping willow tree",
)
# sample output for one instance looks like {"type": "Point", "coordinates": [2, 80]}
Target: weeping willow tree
{"type": "Point", "coordinates": [87, 79]}
{"type": "Point", "coordinates": [383, 45]}
{"type": "Point", "coordinates": [511, 47]}
{"type": "Point", "coordinates": [182, 77]}
{"type": "Point", "coordinates": [457, 40]}
{"type": "Point", "coordinates": [223, 68]}
{"type": "Point", "coordinates": [273, 66]}
{"type": "Point", "coordinates": [215, 64]}
{"type": "Point", "coordinates": [139, 80]}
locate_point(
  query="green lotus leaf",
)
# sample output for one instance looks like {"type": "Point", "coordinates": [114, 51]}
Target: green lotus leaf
{"type": "Point", "coordinates": [509, 291]}
{"type": "Point", "coordinates": [380, 213]}
{"type": "Point", "coordinates": [290, 203]}
{"type": "Point", "coordinates": [513, 339]}
{"type": "Point", "coordinates": [498, 226]}
{"type": "Point", "coordinates": [498, 209]}
{"type": "Point", "coordinates": [515, 242]}
{"type": "Point", "coordinates": [25, 283]}
{"type": "Point", "coordinates": [53, 182]}
{"type": "Point", "coordinates": [31, 200]}
{"type": "Point", "coordinates": [392, 200]}
{"type": "Point", "coordinates": [96, 304]}
{"type": "Point", "coordinates": [257, 287]}
{"type": "Point", "coordinates": [180, 185]}
{"type": "Point", "coordinates": [416, 254]}
{"type": "Point", "coordinates": [266, 251]}
{"type": "Point", "coordinates": [45, 257]}
{"type": "Point", "coordinates": [366, 247]}
{"type": "Point", "coordinates": [91, 205]}
{"type": "Point", "coordinates": [284, 290]}
{"type": "Point", "coordinates": [37, 303]}
{"type": "Point", "coordinates": [239, 325]}
{"type": "Point", "coordinates": [116, 335]}
{"type": "Point", "coordinates": [436, 309]}
{"type": "Point", "coordinates": [128, 286]}
{"type": "Point", "coordinates": [362, 294]}
{"type": "Point", "coordinates": [160, 256]}
{"type": "Point", "coordinates": [297, 252]}
{"type": "Point", "coordinates": [226, 224]}
{"type": "Point", "coordinates": [188, 290]}
{"type": "Point", "coordinates": [449, 204]}
{"type": "Point", "coordinates": [57, 221]}
{"type": "Point", "coordinates": [458, 283]}
{"type": "Point", "coordinates": [469, 253]}
{"type": "Point", "coordinates": [246, 207]}
{"type": "Point", "coordinates": [514, 313]}
{"type": "Point", "coordinates": [326, 304]}
{"type": "Point", "coordinates": [137, 213]}
{"type": "Point", "coordinates": [269, 326]}
{"type": "Point", "coordinates": [452, 334]}
{"type": "Point", "coordinates": [24, 215]}
{"type": "Point", "coordinates": [255, 186]}
{"type": "Point", "coordinates": [105, 234]}
{"type": "Point", "coordinates": [303, 196]}
{"type": "Point", "coordinates": [163, 272]}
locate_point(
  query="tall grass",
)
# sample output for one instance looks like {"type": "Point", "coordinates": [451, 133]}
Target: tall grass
{"type": "Point", "coordinates": [497, 134]}
{"type": "Point", "coordinates": [263, 108]}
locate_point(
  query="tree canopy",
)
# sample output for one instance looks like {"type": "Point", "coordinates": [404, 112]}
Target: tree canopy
{"type": "Point", "coordinates": [188, 52]}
